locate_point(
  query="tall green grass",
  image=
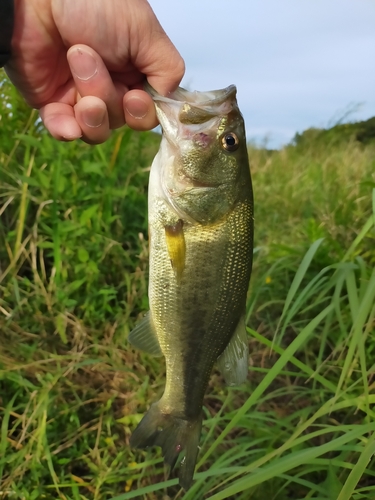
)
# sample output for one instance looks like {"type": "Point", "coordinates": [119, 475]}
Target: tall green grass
{"type": "Point", "coordinates": [73, 280]}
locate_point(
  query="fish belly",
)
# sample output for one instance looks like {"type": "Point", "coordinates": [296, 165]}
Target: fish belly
{"type": "Point", "coordinates": [196, 312]}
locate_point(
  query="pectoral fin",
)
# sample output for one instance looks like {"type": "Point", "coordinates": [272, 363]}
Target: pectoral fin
{"type": "Point", "coordinates": [233, 363]}
{"type": "Point", "coordinates": [175, 239]}
{"type": "Point", "coordinates": [143, 336]}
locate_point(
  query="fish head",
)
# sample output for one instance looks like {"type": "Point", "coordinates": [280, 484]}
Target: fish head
{"type": "Point", "coordinates": [203, 154]}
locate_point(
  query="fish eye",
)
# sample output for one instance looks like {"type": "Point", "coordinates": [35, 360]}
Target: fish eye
{"type": "Point", "coordinates": [230, 141]}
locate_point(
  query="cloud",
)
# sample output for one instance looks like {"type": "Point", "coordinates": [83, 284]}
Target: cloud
{"type": "Point", "coordinates": [296, 63]}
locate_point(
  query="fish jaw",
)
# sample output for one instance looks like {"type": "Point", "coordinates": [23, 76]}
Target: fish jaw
{"type": "Point", "coordinates": [185, 115]}
{"type": "Point", "coordinates": [211, 100]}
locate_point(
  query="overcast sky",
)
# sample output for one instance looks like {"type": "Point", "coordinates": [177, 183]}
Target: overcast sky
{"type": "Point", "coordinates": [296, 63]}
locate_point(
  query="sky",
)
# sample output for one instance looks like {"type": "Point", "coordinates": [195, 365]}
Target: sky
{"type": "Point", "coordinates": [296, 63]}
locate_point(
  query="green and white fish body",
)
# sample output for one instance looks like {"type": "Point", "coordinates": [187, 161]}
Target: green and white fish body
{"type": "Point", "coordinates": [201, 245]}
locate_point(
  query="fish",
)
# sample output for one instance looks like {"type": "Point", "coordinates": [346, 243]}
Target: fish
{"type": "Point", "coordinates": [200, 217]}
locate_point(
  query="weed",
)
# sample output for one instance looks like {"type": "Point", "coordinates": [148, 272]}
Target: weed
{"type": "Point", "coordinates": [73, 281]}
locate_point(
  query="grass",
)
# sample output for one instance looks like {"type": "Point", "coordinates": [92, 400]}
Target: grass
{"type": "Point", "coordinates": [73, 281]}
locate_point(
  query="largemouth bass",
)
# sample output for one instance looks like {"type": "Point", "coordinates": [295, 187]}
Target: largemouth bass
{"type": "Point", "coordinates": [201, 245]}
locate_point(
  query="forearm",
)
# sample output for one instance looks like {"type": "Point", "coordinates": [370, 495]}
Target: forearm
{"type": "Point", "coordinates": [6, 30]}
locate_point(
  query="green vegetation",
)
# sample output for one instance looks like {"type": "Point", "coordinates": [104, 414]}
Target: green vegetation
{"type": "Point", "coordinates": [363, 132]}
{"type": "Point", "coordinates": [73, 281]}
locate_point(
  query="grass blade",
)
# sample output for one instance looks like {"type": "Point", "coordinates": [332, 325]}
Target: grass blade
{"type": "Point", "coordinates": [268, 379]}
{"type": "Point", "coordinates": [357, 471]}
{"type": "Point", "coordinates": [300, 274]}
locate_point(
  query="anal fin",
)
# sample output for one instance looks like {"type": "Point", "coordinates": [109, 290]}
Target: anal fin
{"type": "Point", "coordinates": [233, 362]}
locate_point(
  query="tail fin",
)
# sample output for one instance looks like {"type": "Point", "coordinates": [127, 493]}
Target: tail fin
{"type": "Point", "coordinates": [174, 435]}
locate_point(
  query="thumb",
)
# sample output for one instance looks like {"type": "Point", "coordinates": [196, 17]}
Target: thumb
{"type": "Point", "coordinates": [159, 60]}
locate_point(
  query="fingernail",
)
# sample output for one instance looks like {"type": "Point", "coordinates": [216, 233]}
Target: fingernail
{"type": "Point", "coordinates": [82, 64]}
{"type": "Point", "coordinates": [136, 107]}
{"type": "Point", "coordinates": [69, 138]}
{"type": "Point", "coordinates": [93, 117]}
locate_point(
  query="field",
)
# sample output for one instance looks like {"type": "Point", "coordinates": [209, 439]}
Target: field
{"type": "Point", "coordinates": [73, 282]}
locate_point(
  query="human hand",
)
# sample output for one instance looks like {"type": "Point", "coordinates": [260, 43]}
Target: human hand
{"type": "Point", "coordinates": [83, 64]}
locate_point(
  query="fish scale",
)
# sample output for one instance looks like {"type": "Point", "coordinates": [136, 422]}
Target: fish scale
{"type": "Point", "coordinates": [201, 244]}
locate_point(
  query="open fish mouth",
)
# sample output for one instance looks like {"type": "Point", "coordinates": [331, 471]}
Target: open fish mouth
{"type": "Point", "coordinates": [211, 98]}
{"type": "Point", "coordinates": [186, 115]}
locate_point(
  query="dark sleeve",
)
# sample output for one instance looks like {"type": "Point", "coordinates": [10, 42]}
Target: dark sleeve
{"type": "Point", "coordinates": [6, 30]}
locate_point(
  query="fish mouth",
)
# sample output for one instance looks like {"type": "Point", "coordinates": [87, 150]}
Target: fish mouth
{"type": "Point", "coordinates": [186, 115]}
{"type": "Point", "coordinates": [209, 98]}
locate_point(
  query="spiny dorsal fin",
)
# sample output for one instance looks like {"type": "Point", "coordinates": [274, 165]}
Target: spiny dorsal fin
{"type": "Point", "coordinates": [144, 337]}
{"type": "Point", "coordinates": [233, 362]}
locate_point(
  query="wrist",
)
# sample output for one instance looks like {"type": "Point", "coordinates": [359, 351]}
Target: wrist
{"type": "Point", "coordinates": [33, 25]}
{"type": "Point", "coordinates": [6, 30]}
